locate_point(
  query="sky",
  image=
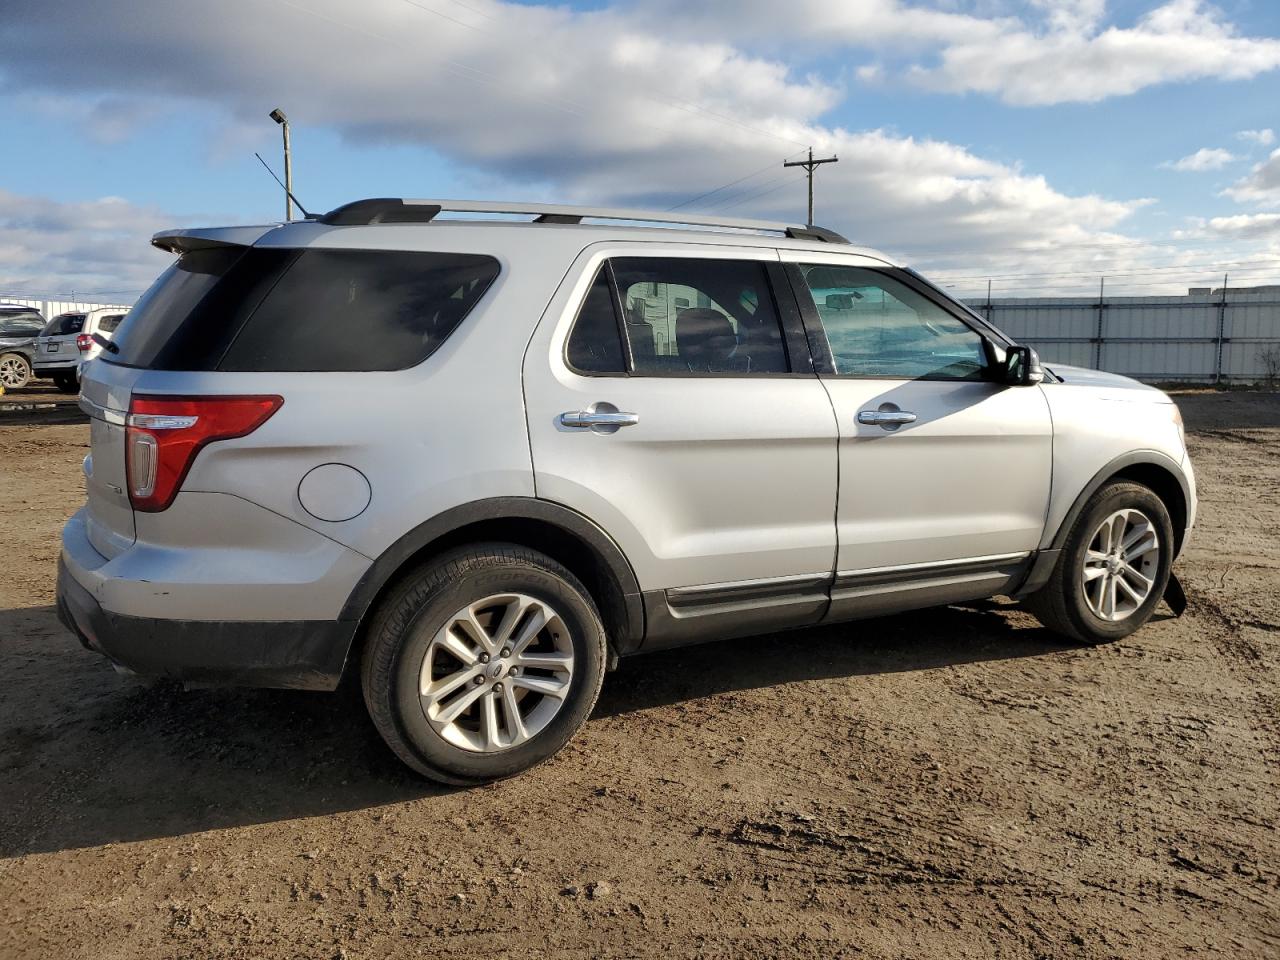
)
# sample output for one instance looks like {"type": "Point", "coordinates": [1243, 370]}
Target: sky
{"type": "Point", "coordinates": [1038, 144]}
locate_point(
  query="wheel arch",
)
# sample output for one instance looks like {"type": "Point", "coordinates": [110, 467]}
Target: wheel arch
{"type": "Point", "coordinates": [1161, 474]}
{"type": "Point", "coordinates": [551, 528]}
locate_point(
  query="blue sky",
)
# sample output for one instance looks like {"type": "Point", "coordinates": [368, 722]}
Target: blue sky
{"type": "Point", "coordinates": [1030, 141]}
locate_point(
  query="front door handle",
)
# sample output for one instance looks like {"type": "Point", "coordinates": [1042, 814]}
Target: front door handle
{"type": "Point", "coordinates": [888, 416]}
{"type": "Point", "coordinates": [599, 418]}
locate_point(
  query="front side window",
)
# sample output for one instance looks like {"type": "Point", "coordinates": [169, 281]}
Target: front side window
{"type": "Point", "coordinates": [691, 316]}
{"type": "Point", "coordinates": [878, 326]}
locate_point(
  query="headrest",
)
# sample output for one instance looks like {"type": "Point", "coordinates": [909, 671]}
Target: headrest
{"type": "Point", "coordinates": [704, 336]}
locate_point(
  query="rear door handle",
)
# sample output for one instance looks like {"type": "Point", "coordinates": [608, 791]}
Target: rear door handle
{"type": "Point", "coordinates": [600, 418]}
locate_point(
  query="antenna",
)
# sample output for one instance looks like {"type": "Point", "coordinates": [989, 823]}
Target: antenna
{"type": "Point", "coordinates": [309, 216]}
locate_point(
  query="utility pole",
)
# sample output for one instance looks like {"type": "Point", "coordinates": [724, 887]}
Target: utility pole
{"type": "Point", "coordinates": [809, 166]}
{"type": "Point", "coordinates": [278, 116]}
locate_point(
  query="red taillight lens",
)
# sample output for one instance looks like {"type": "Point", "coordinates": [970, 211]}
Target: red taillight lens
{"type": "Point", "coordinates": [164, 434]}
{"type": "Point", "coordinates": [84, 341]}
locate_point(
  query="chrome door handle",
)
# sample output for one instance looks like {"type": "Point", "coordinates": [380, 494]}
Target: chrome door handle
{"type": "Point", "coordinates": [599, 417]}
{"type": "Point", "coordinates": [888, 416]}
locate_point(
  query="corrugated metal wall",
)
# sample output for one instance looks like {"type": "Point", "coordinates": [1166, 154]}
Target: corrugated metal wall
{"type": "Point", "coordinates": [1201, 338]}
{"type": "Point", "coordinates": [51, 308]}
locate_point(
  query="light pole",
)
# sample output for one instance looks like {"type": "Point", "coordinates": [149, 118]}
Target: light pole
{"type": "Point", "coordinates": [278, 116]}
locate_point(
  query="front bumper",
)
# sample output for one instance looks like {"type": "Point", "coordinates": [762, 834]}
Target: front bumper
{"type": "Point", "coordinates": [292, 654]}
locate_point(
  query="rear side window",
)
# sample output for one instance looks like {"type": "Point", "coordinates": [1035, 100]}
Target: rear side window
{"type": "Point", "coordinates": [267, 309]}
{"type": "Point", "coordinates": [63, 324]}
{"type": "Point", "coordinates": [108, 324]}
{"type": "Point", "coordinates": [595, 345]}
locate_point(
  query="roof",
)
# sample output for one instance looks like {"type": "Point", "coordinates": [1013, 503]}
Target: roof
{"type": "Point", "coordinates": [391, 211]}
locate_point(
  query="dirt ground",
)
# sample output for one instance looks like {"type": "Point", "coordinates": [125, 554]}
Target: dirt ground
{"type": "Point", "coordinates": [950, 783]}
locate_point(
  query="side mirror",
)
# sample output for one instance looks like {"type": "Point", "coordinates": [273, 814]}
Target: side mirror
{"type": "Point", "coordinates": [1022, 367]}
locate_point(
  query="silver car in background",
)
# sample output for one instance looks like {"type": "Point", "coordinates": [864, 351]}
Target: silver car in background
{"type": "Point", "coordinates": [68, 342]}
{"type": "Point", "coordinates": [475, 461]}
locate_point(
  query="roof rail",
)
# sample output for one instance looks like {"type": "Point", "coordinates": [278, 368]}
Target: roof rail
{"type": "Point", "coordinates": [396, 210]}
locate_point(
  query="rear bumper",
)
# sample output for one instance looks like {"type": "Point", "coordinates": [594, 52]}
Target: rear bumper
{"type": "Point", "coordinates": [47, 368]}
{"type": "Point", "coordinates": [293, 654]}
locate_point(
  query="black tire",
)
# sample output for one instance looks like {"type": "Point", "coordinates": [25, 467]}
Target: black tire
{"type": "Point", "coordinates": [1061, 604]}
{"type": "Point", "coordinates": [66, 382]}
{"type": "Point", "coordinates": [410, 616]}
{"type": "Point", "coordinates": [16, 371]}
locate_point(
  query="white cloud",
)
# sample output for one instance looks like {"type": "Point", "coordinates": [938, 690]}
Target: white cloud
{"type": "Point", "coordinates": [1247, 226]}
{"type": "Point", "coordinates": [1261, 186]}
{"type": "Point", "coordinates": [1041, 52]}
{"type": "Point", "coordinates": [1263, 138]}
{"type": "Point", "coordinates": [1206, 158]}
{"type": "Point", "coordinates": [1077, 60]}
{"type": "Point", "coordinates": [96, 247]}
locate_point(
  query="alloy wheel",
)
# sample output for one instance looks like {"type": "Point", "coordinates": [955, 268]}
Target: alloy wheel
{"type": "Point", "coordinates": [1120, 565]}
{"type": "Point", "coordinates": [497, 673]}
{"type": "Point", "coordinates": [14, 371]}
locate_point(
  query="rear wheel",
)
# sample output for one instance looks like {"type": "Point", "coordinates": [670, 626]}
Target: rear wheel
{"type": "Point", "coordinates": [15, 371]}
{"type": "Point", "coordinates": [1114, 567]}
{"type": "Point", "coordinates": [483, 663]}
{"type": "Point", "coordinates": [67, 382]}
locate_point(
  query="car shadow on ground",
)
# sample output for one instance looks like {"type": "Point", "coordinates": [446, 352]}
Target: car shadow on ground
{"type": "Point", "coordinates": [88, 758]}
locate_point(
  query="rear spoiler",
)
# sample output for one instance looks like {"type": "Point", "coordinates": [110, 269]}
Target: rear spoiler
{"type": "Point", "coordinates": [202, 238]}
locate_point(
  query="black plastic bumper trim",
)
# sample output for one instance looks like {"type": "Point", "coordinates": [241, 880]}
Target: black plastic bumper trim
{"type": "Point", "coordinates": [289, 654]}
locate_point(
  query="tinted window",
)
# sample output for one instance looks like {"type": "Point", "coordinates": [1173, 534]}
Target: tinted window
{"type": "Point", "coordinates": [878, 326]}
{"type": "Point", "coordinates": [63, 324]}
{"type": "Point", "coordinates": [165, 329]}
{"type": "Point", "coordinates": [360, 310]}
{"type": "Point", "coordinates": [595, 345]}
{"type": "Point", "coordinates": [108, 324]}
{"type": "Point", "coordinates": [268, 309]}
{"type": "Point", "coordinates": [692, 316]}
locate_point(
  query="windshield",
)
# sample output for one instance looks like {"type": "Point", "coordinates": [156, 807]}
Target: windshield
{"type": "Point", "coordinates": [24, 323]}
{"type": "Point", "coordinates": [63, 324]}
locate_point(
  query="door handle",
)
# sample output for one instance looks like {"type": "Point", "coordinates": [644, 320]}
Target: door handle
{"type": "Point", "coordinates": [600, 418]}
{"type": "Point", "coordinates": [888, 416]}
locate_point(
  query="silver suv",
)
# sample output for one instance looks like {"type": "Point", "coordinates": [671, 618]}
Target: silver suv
{"type": "Point", "coordinates": [478, 460]}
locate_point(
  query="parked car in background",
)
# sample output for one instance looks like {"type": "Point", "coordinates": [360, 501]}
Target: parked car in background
{"type": "Point", "coordinates": [20, 324]}
{"type": "Point", "coordinates": [67, 342]}
{"type": "Point", "coordinates": [577, 441]}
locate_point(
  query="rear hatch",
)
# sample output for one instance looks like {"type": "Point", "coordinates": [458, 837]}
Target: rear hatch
{"type": "Point", "coordinates": [57, 341]}
{"type": "Point", "coordinates": [161, 331]}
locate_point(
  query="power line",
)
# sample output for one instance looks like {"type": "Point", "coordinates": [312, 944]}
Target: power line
{"type": "Point", "coordinates": [732, 183]}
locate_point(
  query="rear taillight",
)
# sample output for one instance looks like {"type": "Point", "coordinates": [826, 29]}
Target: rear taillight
{"type": "Point", "coordinates": [84, 341]}
{"type": "Point", "coordinates": [164, 434]}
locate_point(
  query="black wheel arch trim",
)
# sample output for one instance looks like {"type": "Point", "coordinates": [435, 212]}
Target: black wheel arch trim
{"type": "Point", "coordinates": [575, 524]}
{"type": "Point", "coordinates": [1136, 458]}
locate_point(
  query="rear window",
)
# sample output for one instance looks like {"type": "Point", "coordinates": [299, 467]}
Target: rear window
{"type": "Point", "coordinates": [264, 309]}
{"type": "Point", "coordinates": [63, 324]}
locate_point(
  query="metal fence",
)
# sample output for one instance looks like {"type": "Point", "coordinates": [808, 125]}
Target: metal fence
{"type": "Point", "coordinates": [1200, 338]}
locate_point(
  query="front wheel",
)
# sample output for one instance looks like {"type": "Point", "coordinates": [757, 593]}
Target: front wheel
{"type": "Point", "coordinates": [15, 371]}
{"type": "Point", "coordinates": [483, 663]}
{"type": "Point", "coordinates": [1114, 567]}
